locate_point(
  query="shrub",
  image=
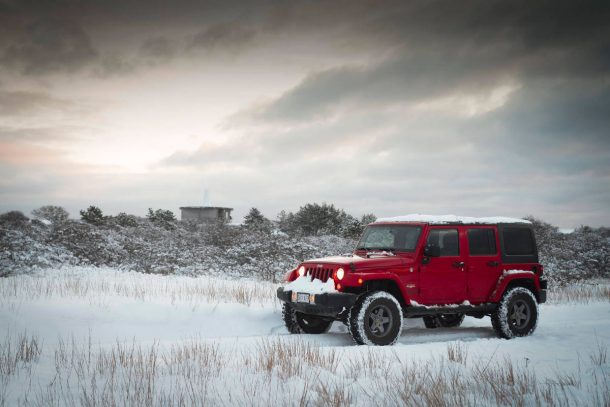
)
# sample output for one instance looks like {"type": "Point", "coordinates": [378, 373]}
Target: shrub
{"type": "Point", "coordinates": [255, 220]}
{"type": "Point", "coordinates": [92, 215]}
{"type": "Point", "coordinates": [51, 213]}
{"type": "Point", "coordinates": [125, 220]}
{"type": "Point", "coordinates": [162, 217]}
{"type": "Point", "coordinates": [14, 220]}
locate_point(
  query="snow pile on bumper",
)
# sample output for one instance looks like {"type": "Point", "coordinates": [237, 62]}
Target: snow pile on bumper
{"type": "Point", "coordinates": [305, 284]}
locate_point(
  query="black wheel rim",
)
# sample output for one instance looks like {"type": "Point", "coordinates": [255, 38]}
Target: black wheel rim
{"type": "Point", "coordinates": [520, 314]}
{"type": "Point", "coordinates": [380, 320]}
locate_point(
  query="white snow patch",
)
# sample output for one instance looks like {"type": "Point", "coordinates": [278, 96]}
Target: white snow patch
{"type": "Point", "coordinates": [510, 272]}
{"type": "Point", "coordinates": [94, 311]}
{"type": "Point", "coordinates": [305, 284]}
{"type": "Point", "coordinates": [444, 219]}
{"type": "Point", "coordinates": [382, 253]}
{"type": "Point", "coordinates": [464, 303]}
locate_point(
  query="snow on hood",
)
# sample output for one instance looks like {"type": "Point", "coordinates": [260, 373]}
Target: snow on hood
{"type": "Point", "coordinates": [444, 219]}
{"type": "Point", "coordinates": [304, 284]}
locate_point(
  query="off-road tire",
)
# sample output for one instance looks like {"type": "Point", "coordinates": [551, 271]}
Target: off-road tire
{"type": "Point", "coordinates": [298, 323]}
{"type": "Point", "coordinates": [443, 321]}
{"type": "Point", "coordinates": [516, 315]}
{"type": "Point", "coordinates": [376, 319]}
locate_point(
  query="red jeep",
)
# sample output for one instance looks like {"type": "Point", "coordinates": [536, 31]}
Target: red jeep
{"type": "Point", "coordinates": [440, 268]}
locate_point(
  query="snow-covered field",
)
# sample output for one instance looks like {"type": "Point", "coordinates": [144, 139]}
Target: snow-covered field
{"type": "Point", "coordinates": [87, 336]}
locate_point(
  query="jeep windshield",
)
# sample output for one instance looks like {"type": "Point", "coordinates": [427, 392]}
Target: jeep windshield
{"type": "Point", "coordinates": [402, 238]}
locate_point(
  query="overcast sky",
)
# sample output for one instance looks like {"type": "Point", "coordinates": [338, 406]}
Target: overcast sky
{"type": "Point", "coordinates": [473, 108]}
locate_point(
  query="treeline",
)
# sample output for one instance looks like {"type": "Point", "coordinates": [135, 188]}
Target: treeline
{"type": "Point", "coordinates": [581, 255]}
{"type": "Point", "coordinates": [259, 248]}
{"type": "Point", "coordinates": [159, 243]}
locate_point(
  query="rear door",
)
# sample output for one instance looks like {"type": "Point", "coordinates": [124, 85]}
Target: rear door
{"type": "Point", "coordinates": [443, 279]}
{"type": "Point", "coordinates": [483, 261]}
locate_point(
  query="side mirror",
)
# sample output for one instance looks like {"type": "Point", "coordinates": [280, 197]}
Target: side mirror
{"type": "Point", "coordinates": [432, 250]}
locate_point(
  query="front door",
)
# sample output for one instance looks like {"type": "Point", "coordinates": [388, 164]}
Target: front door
{"type": "Point", "coordinates": [443, 279]}
{"type": "Point", "coordinates": [483, 262]}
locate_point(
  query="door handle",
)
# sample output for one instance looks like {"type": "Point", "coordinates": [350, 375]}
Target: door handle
{"type": "Point", "coordinates": [493, 263]}
{"type": "Point", "coordinates": [458, 264]}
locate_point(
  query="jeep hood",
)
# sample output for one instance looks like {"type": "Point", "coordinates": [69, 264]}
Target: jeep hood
{"type": "Point", "coordinates": [362, 263]}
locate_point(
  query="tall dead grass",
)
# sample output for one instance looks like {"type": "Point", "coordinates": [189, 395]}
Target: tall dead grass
{"type": "Point", "coordinates": [580, 293]}
{"type": "Point", "coordinates": [16, 350]}
{"type": "Point", "coordinates": [98, 284]}
{"type": "Point", "coordinates": [283, 372]}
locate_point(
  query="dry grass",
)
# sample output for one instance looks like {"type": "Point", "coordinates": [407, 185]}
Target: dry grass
{"type": "Point", "coordinates": [457, 352]}
{"type": "Point", "coordinates": [290, 358]}
{"type": "Point", "coordinates": [599, 355]}
{"type": "Point", "coordinates": [286, 372]}
{"type": "Point", "coordinates": [581, 293]}
{"type": "Point", "coordinates": [335, 394]}
{"type": "Point", "coordinates": [98, 284]}
{"type": "Point", "coordinates": [367, 363]}
{"type": "Point", "coordinates": [20, 350]}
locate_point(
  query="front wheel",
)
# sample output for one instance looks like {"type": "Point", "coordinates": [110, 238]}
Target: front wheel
{"type": "Point", "coordinates": [376, 319]}
{"type": "Point", "coordinates": [517, 314]}
{"type": "Point", "coordinates": [298, 323]}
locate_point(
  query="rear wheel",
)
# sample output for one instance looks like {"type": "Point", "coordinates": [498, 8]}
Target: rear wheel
{"type": "Point", "coordinates": [298, 323]}
{"type": "Point", "coordinates": [443, 320]}
{"type": "Point", "coordinates": [376, 319]}
{"type": "Point", "coordinates": [517, 314]}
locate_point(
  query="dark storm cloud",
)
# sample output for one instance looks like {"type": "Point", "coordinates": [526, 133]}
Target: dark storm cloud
{"type": "Point", "coordinates": [158, 49]}
{"type": "Point", "coordinates": [558, 111]}
{"type": "Point", "coordinates": [49, 45]}
{"type": "Point", "coordinates": [408, 77]}
{"type": "Point", "coordinates": [227, 36]}
{"type": "Point", "coordinates": [445, 47]}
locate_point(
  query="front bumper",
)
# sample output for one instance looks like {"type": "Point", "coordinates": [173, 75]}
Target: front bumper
{"type": "Point", "coordinates": [326, 304]}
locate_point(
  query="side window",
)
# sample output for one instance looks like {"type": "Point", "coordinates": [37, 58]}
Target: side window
{"type": "Point", "coordinates": [481, 242]}
{"type": "Point", "coordinates": [518, 241]}
{"type": "Point", "coordinates": [446, 239]}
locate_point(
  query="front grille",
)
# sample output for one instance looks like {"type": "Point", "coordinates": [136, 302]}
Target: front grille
{"type": "Point", "coordinates": [320, 273]}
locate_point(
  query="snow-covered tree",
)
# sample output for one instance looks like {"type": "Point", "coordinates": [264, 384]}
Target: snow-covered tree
{"type": "Point", "coordinates": [14, 220]}
{"type": "Point", "coordinates": [255, 220]}
{"type": "Point", "coordinates": [162, 217]}
{"type": "Point", "coordinates": [92, 215]}
{"type": "Point", "coordinates": [125, 220]}
{"type": "Point", "coordinates": [51, 213]}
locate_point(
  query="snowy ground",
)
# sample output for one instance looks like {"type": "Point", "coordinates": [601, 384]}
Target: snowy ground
{"type": "Point", "coordinates": [104, 337]}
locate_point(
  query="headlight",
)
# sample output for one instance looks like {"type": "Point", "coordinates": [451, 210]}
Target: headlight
{"type": "Point", "coordinates": [340, 274]}
{"type": "Point", "coordinates": [301, 271]}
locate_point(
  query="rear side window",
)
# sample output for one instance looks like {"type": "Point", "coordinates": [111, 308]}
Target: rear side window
{"type": "Point", "coordinates": [481, 242]}
{"type": "Point", "coordinates": [518, 241]}
{"type": "Point", "coordinates": [446, 239]}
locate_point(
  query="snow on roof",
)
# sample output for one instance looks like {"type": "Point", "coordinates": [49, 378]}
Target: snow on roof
{"type": "Point", "coordinates": [446, 219]}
